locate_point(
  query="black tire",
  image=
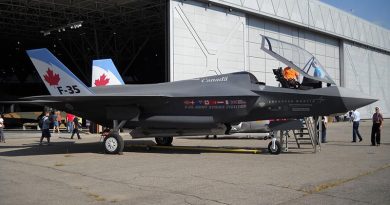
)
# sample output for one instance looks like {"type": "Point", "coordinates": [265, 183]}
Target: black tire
{"type": "Point", "coordinates": [164, 141]}
{"type": "Point", "coordinates": [277, 149]}
{"type": "Point", "coordinates": [113, 144]}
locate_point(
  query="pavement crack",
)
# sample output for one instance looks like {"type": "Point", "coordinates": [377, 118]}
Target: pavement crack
{"type": "Point", "coordinates": [215, 180]}
{"type": "Point", "coordinates": [286, 187]}
{"type": "Point", "coordinates": [200, 198]}
{"type": "Point", "coordinates": [322, 187]}
{"type": "Point", "coordinates": [338, 182]}
{"type": "Point", "coordinates": [339, 197]}
{"type": "Point", "coordinates": [153, 176]}
{"type": "Point", "coordinates": [131, 185]}
{"type": "Point", "coordinates": [187, 202]}
{"type": "Point", "coordinates": [81, 174]}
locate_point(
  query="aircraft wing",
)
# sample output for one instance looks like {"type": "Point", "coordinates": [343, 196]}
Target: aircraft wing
{"type": "Point", "coordinates": [29, 101]}
{"type": "Point", "coordinates": [60, 102]}
{"type": "Point", "coordinates": [110, 99]}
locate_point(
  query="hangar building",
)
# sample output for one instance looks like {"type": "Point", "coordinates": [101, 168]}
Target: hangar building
{"type": "Point", "coordinates": [224, 36]}
{"type": "Point", "coordinates": [169, 40]}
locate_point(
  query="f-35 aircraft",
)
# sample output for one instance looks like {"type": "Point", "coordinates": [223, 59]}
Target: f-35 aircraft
{"type": "Point", "coordinates": [104, 73]}
{"type": "Point", "coordinates": [207, 105]}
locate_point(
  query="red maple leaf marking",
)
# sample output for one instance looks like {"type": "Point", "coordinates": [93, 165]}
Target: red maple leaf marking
{"type": "Point", "coordinates": [102, 81]}
{"type": "Point", "coordinates": [51, 77]}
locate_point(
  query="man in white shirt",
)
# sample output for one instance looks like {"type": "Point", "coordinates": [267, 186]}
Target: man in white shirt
{"type": "Point", "coordinates": [2, 139]}
{"type": "Point", "coordinates": [356, 121]}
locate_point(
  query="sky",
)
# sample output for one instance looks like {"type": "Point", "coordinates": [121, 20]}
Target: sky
{"type": "Point", "coordinates": [375, 11]}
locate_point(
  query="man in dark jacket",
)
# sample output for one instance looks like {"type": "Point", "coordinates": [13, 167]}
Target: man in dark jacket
{"type": "Point", "coordinates": [76, 126]}
{"type": "Point", "coordinates": [45, 121]}
{"type": "Point", "coordinates": [377, 119]}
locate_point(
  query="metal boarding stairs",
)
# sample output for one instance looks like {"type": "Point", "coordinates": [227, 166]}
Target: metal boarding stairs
{"type": "Point", "coordinates": [305, 135]}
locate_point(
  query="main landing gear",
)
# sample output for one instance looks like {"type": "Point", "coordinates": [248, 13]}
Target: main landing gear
{"type": "Point", "coordinates": [113, 142]}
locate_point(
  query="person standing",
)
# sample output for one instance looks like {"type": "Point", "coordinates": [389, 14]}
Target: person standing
{"type": "Point", "coordinates": [2, 139]}
{"type": "Point", "coordinates": [69, 121]}
{"type": "Point", "coordinates": [324, 126]}
{"type": "Point", "coordinates": [59, 119]}
{"type": "Point", "coordinates": [356, 121]}
{"type": "Point", "coordinates": [377, 119]}
{"type": "Point", "coordinates": [88, 124]}
{"type": "Point", "coordinates": [76, 127]}
{"type": "Point", "coordinates": [45, 128]}
{"type": "Point", "coordinates": [54, 118]}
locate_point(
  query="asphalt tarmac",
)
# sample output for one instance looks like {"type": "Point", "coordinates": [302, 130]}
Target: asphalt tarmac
{"type": "Point", "coordinates": [77, 172]}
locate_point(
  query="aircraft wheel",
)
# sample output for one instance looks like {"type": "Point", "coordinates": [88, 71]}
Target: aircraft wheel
{"type": "Point", "coordinates": [113, 144]}
{"type": "Point", "coordinates": [164, 141]}
{"type": "Point", "coordinates": [277, 149]}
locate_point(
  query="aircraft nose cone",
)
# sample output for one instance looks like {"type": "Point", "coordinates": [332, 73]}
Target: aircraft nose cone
{"type": "Point", "coordinates": [354, 99]}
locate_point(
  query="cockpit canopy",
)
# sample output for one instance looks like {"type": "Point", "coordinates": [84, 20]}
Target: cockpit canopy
{"type": "Point", "coordinates": [297, 58]}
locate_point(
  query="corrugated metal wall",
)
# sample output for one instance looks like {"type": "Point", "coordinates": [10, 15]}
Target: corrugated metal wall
{"type": "Point", "coordinates": [208, 39]}
{"type": "Point", "coordinates": [319, 16]}
{"type": "Point", "coordinates": [368, 71]}
{"type": "Point", "coordinates": [212, 40]}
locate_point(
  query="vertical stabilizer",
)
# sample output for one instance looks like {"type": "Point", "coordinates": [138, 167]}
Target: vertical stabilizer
{"type": "Point", "coordinates": [59, 80]}
{"type": "Point", "coordinates": [105, 73]}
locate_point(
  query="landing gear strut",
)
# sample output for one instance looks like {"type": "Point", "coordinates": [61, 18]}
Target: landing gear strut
{"type": "Point", "coordinates": [274, 146]}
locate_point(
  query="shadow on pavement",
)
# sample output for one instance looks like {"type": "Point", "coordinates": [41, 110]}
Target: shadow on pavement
{"type": "Point", "coordinates": [351, 145]}
{"type": "Point", "coordinates": [53, 148]}
{"type": "Point", "coordinates": [195, 149]}
{"type": "Point", "coordinates": [142, 146]}
{"type": "Point", "coordinates": [224, 138]}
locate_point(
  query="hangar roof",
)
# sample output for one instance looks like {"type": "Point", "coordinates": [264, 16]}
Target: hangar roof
{"type": "Point", "coordinates": [131, 32]}
{"type": "Point", "coordinates": [32, 18]}
{"type": "Point", "coordinates": [318, 16]}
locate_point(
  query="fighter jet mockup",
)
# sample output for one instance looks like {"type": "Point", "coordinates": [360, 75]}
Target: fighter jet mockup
{"type": "Point", "coordinates": [104, 73]}
{"type": "Point", "coordinates": [207, 105]}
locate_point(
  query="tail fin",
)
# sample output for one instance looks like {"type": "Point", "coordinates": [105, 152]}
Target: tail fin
{"type": "Point", "coordinates": [105, 73]}
{"type": "Point", "coordinates": [59, 80]}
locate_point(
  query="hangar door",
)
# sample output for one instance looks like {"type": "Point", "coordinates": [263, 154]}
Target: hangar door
{"type": "Point", "coordinates": [368, 71]}
{"type": "Point", "coordinates": [205, 40]}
